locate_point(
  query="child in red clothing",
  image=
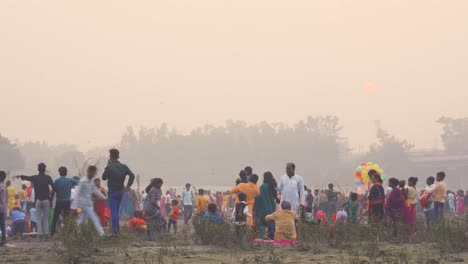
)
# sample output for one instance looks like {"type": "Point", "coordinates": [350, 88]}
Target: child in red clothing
{"type": "Point", "coordinates": [173, 216]}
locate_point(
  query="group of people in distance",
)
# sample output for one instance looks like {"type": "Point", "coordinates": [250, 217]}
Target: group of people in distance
{"type": "Point", "coordinates": [271, 208]}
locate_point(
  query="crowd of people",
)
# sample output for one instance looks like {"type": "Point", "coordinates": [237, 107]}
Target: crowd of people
{"type": "Point", "coordinates": [270, 208]}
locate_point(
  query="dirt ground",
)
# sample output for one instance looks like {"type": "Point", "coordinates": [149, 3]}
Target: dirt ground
{"type": "Point", "coordinates": [131, 249]}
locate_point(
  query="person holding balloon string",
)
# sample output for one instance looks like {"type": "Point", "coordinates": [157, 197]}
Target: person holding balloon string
{"type": "Point", "coordinates": [376, 198]}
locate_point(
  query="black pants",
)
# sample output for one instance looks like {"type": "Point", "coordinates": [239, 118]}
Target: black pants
{"type": "Point", "coordinates": [172, 223]}
{"type": "Point", "coordinates": [188, 211]}
{"type": "Point", "coordinates": [18, 227]}
{"type": "Point", "coordinates": [59, 208]}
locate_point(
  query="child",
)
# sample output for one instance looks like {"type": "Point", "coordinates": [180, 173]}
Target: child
{"type": "Point", "coordinates": [18, 222]}
{"type": "Point", "coordinates": [241, 210]}
{"type": "Point", "coordinates": [201, 204]}
{"type": "Point", "coordinates": [33, 218]}
{"type": "Point", "coordinates": [173, 216]}
{"type": "Point", "coordinates": [86, 190]}
{"type": "Point", "coordinates": [23, 198]}
{"type": "Point", "coordinates": [225, 202]}
{"type": "Point", "coordinates": [11, 197]}
{"type": "Point", "coordinates": [285, 222]}
{"type": "Point", "coordinates": [3, 207]}
{"type": "Point", "coordinates": [211, 215]}
{"type": "Point", "coordinates": [353, 207]}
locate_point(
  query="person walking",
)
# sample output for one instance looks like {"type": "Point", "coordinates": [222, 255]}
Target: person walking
{"type": "Point", "coordinates": [63, 187]}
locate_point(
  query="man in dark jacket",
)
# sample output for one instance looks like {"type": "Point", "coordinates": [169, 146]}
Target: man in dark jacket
{"type": "Point", "coordinates": [41, 183]}
{"type": "Point", "coordinates": [115, 174]}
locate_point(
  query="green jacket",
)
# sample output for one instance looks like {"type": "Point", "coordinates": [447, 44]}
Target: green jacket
{"type": "Point", "coordinates": [115, 174]}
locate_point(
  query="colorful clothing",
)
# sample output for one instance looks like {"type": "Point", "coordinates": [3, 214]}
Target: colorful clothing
{"type": "Point", "coordinates": [285, 223]}
{"type": "Point", "coordinates": [11, 197]}
{"type": "Point", "coordinates": [201, 204]}
{"type": "Point", "coordinates": [252, 191]}
{"type": "Point", "coordinates": [213, 218]}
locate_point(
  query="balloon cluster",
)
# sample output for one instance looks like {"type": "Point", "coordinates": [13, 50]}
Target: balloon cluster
{"type": "Point", "coordinates": [361, 174]}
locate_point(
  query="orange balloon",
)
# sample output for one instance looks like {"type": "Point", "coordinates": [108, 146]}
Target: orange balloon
{"type": "Point", "coordinates": [368, 87]}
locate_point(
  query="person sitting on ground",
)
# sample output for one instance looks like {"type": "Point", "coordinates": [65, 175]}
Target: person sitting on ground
{"type": "Point", "coordinates": [137, 222]}
{"type": "Point", "coordinates": [18, 223]}
{"type": "Point", "coordinates": [211, 215]}
{"type": "Point", "coordinates": [201, 204]}
{"type": "Point", "coordinates": [241, 210]}
{"type": "Point", "coordinates": [285, 222]}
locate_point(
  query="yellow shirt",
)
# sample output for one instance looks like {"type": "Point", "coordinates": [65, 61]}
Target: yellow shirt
{"type": "Point", "coordinates": [11, 197]}
{"type": "Point", "coordinates": [201, 204]}
{"type": "Point", "coordinates": [22, 195]}
{"type": "Point", "coordinates": [285, 224]}
{"type": "Point", "coordinates": [252, 191]}
{"type": "Point", "coordinates": [225, 200]}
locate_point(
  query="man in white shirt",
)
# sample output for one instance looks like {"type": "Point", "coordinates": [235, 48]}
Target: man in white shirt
{"type": "Point", "coordinates": [86, 190]}
{"type": "Point", "coordinates": [291, 188]}
{"type": "Point", "coordinates": [187, 201]}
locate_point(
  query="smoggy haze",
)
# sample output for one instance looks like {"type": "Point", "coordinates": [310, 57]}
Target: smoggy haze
{"type": "Point", "coordinates": [81, 71]}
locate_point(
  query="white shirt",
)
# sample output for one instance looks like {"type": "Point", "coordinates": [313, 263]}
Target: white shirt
{"type": "Point", "coordinates": [432, 200]}
{"type": "Point", "coordinates": [292, 190]}
{"type": "Point", "coordinates": [86, 190]}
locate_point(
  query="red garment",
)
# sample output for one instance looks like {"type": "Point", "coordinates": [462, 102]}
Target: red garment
{"type": "Point", "coordinates": [174, 213]}
{"type": "Point", "coordinates": [100, 209]}
{"type": "Point", "coordinates": [29, 191]}
{"type": "Point", "coordinates": [137, 224]}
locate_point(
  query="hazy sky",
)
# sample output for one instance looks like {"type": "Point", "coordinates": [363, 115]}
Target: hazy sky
{"type": "Point", "coordinates": [81, 71]}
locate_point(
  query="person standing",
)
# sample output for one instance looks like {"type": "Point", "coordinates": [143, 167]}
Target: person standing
{"type": "Point", "coordinates": [100, 205]}
{"type": "Point", "coordinates": [23, 198]}
{"type": "Point", "coordinates": [41, 182]}
{"type": "Point", "coordinates": [252, 191]}
{"type": "Point", "coordinates": [187, 202]}
{"type": "Point", "coordinates": [11, 197]}
{"type": "Point", "coordinates": [63, 187]}
{"type": "Point", "coordinates": [291, 188]}
{"type": "Point", "coordinates": [429, 208]}
{"type": "Point", "coordinates": [115, 174]}
{"type": "Point", "coordinates": [439, 191]}
{"type": "Point", "coordinates": [167, 202]}
{"type": "Point", "coordinates": [265, 204]}
{"type": "Point", "coordinates": [332, 197]}
{"type": "Point", "coordinates": [3, 207]}
{"type": "Point", "coordinates": [86, 190]}
{"type": "Point", "coordinates": [376, 199]}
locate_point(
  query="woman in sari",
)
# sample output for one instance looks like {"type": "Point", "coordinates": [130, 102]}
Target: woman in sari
{"type": "Point", "coordinates": [376, 199]}
{"type": "Point", "coordinates": [265, 204]}
{"type": "Point", "coordinates": [395, 205]}
{"type": "Point", "coordinates": [155, 221]}
{"type": "Point", "coordinates": [100, 205]}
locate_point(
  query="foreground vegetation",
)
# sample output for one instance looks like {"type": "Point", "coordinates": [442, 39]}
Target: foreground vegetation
{"type": "Point", "coordinates": [204, 243]}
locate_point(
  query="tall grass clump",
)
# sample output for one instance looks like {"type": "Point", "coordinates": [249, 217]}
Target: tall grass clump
{"type": "Point", "coordinates": [78, 240]}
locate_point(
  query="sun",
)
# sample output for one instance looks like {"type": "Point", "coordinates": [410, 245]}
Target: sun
{"type": "Point", "coordinates": [368, 87]}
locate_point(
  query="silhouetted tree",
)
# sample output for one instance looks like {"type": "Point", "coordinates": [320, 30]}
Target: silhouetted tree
{"type": "Point", "coordinates": [10, 157]}
{"type": "Point", "coordinates": [455, 135]}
